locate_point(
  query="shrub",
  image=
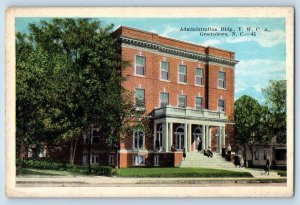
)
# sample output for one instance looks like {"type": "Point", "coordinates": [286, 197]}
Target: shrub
{"type": "Point", "coordinates": [102, 170]}
{"type": "Point", "coordinates": [43, 164]}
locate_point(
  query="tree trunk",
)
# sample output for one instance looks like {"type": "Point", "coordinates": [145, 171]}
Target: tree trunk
{"type": "Point", "coordinates": [71, 151]}
{"type": "Point", "coordinates": [74, 151]}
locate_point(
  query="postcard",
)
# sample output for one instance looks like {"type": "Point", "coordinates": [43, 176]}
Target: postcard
{"type": "Point", "coordinates": [150, 102]}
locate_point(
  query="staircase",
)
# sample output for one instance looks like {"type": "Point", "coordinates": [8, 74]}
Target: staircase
{"type": "Point", "coordinates": [197, 159]}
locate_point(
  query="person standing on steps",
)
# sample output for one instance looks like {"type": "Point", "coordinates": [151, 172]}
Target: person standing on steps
{"type": "Point", "coordinates": [184, 153]}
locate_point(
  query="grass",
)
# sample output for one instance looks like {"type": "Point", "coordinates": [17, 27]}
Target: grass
{"type": "Point", "coordinates": [179, 172]}
{"type": "Point", "coordinates": [282, 173]}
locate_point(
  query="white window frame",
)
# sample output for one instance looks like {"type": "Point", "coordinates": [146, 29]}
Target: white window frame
{"type": "Point", "coordinates": [93, 159]}
{"type": "Point", "coordinates": [138, 147]}
{"type": "Point", "coordinates": [201, 76]}
{"type": "Point", "coordinates": [138, 160]}
{"type": "Point", "coordinates": [223, 110]}
{"type": "Point", "coordinates": [178, 103]}
{"type": "Point", "coordinates": [135, 66]}
{"type": "Point", "coordinates": [224, 80]}
{"type": "Point", "coordinates": [135, 99]}
{"type": "Point", "coordinates": [265, 154]}
{"type": "Point", "coordinates": [168, 76]}
{"type": "Point", "coordinates": [160, 100]}
{"type": "Point", "coordinates": [201, 102]}
{"type": "Point", "coordinates": [178, 78]}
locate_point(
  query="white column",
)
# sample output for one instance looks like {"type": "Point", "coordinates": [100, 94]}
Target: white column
{"type": "Point", "coordinates": [171, 134]}
{"type": "Point", "coordinates": [203, 137]}
{"type": "Point", "coordinates": [154, 138]}
{"type": "Point", "coordinates": [223, 136]}
{"type": "Point", "coordinates": [167, 137]}
{"type": "Point", "coordinates": [220, 140]}
{"type": "Point", "coordinates": [189, 137]}
{"type": "Point", "coordinates": [208, 136]}
{"type": "Point", "coordinates": [185, 136]}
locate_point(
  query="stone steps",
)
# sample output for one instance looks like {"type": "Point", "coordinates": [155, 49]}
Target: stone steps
{"type": "Point", "coordinates": [196, 159]}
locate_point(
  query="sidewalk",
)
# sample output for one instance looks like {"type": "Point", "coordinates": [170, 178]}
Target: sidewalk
{"type": "Point", "coordinates": [27, 181]}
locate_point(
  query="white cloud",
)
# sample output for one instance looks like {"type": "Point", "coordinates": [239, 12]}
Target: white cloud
{"type": "Point", "coordinates": [168, 30]}
{"type": "Point", "coordinates": [253, 75]}
{"type": "Point", "coordinates": [211, 42]}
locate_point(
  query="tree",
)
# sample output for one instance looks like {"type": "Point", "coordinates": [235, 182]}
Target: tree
{"type": "Point", "coordinates": [275, 95]}
{"type": "Point", "coordinates": [249, 117]}
{"type": "Point", "coordinates": [68, 80]}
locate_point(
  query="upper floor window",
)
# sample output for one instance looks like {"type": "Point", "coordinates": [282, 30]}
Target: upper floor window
{"type": "Point", "coordinates": [164, 70]}
{"type": "Point", "coordinates": [199, 76]}
{"type": "Point", "coordinates": [139, 98]}
{"type": "Point", "coordinates": [182, 74]}
{"type": "Point", "coordinates": [221, 105]}
{"type": "Point", "coordinates": [181, 101]}
{"type": "Point", "coordinates": [164, 99]}
{"type": "Point", "coordinates": [95, 136]}
{"type": "Point", "coordinates": [138, 140]}
{"type": "Point", "coordinates": [221, 79]}
{"type": "Point", "coordinates": [139, 65]}
{"type": "Point", "coordinates": [199, 103]}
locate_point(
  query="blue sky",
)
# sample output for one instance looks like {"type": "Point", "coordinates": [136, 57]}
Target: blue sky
{"type": "Point", "coordinates": [261, 58]}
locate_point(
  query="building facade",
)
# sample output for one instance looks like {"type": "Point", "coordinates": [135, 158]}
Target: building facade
{"type": "Point", "coordinates": [187, 91]}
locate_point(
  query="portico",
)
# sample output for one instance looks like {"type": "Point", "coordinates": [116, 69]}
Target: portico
{"type": "Point", "coordinates": [185, 127]}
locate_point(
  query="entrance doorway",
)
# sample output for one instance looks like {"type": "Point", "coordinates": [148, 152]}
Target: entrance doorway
{"type": "Point", "coordinates": [179, 138]}
{"type": "Point", "coordinates": [197, 138]}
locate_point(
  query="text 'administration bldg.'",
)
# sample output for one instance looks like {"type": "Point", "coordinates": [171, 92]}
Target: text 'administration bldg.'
{"type": "Point", "coordinates": [187, 89]}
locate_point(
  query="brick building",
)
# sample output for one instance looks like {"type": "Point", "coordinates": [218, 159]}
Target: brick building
{"type": "Point", "coordinates": [186, 89]}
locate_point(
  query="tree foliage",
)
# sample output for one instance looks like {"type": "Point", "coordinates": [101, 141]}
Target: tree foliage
{"type": "Point", "coordinates": [68, 74]}
{"type": "Point", "coordinates": [275, 95]}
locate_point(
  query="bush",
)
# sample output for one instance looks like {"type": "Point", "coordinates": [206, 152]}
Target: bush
{"type": "Point", "coordinates": [42, 164]}
{"type": "Point", "coordinates": [102, 170]}
{"type": "Point", "coordinates": [82, 169]}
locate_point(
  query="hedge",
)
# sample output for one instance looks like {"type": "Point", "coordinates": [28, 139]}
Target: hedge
{"type": "Point", "coordinates": [82, 169]}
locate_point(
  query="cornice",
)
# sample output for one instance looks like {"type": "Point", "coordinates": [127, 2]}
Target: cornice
{"type": "Point", "coordinates": [177, 51]}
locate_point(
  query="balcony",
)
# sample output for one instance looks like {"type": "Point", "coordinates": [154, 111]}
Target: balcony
{"type": "Point", "coordinates": [169, 111]}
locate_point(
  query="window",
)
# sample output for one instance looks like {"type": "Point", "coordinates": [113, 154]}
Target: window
{"type": "Point", "coordinates": [199, 76]}
{"type": "Point", "coordinates": [256, 155]}
{"type": "Point", "coordinates": [95, 136]}
{"type": "Point", "coordinates": [94, 159]}
{"type": "Point", "coordinates": [198, 103]}
{"type": "Point", "coordinates": [181, 101]}
{"type": "Point", "coordinates": [156, 160]}
{"type": "Point", "coordinates": [265, 154]}
{"type": "Point", "coordinates": [164, 99]}
{"type": "Point", "coordinates": [138, 160]}
{"type": "Point", "coordinates": [221, 79]}
{"type": "Point", "coordinates": [164, 70]}
{"type": "Point", "coordinates": [138, 140]}
{"type": "Point", "coordinates": [221, 105]}
{"type": "Point", "coordinates": [111, 159]}
{"type": "Point", "coordinates": [182, 74]}
{"type": "Point", "coordinates": [139, 98]}
{"type": "Point", "coordinates": [139, 65]}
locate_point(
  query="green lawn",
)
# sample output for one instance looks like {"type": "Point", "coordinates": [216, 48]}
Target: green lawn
{"type": "Point", "coordinates": [281, 173]}
{"type": "Point", "coordinates": [179, 172]}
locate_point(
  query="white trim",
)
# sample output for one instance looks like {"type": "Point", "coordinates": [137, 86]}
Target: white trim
{"type": "Point", "coordinates": [178, 100]}
{"type": "Point", "coordinates": [160, 70]}
{"type": "Point", "coordinates": [185, 74]}
{"type": "Point", "coordinates": [133, 140]}
{"type": "Point", "coordinates": [135, 74]}
{"type": "Point", "coordinates": [202, 77]}
{"type": "Point", "coordinates": [223, 88]}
